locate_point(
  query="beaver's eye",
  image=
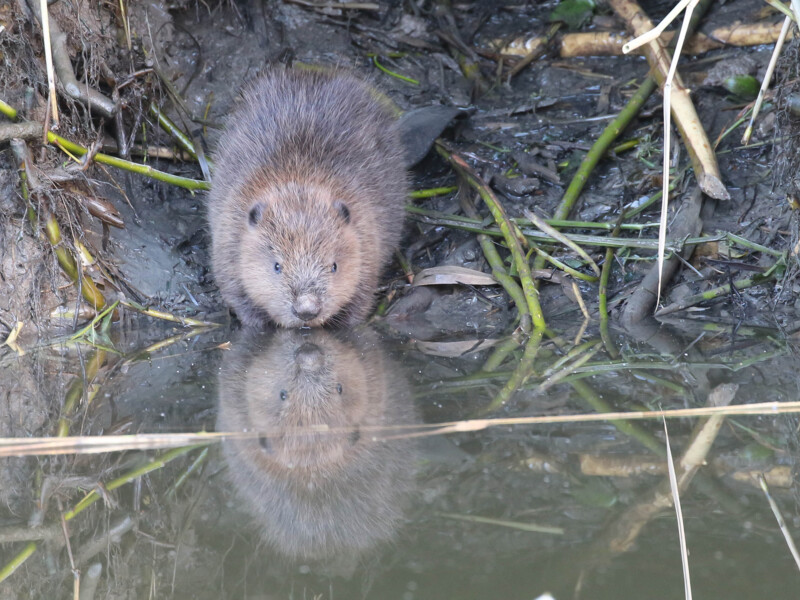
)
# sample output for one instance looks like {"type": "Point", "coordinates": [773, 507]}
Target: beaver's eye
{"type": "Point", "coordinates": [284, 395]}
{"type": "Point", "coordinates": [278, 267]}
{"type": "Point", "coordinates": [333, 268]}
{"type": "Point", "coordinates": [339, 388]}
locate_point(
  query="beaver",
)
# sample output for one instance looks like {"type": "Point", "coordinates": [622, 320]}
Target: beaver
{"type": "Point", "coordinates": [307, 200]}
{"type": "Point", "coordinates": [317, 482]}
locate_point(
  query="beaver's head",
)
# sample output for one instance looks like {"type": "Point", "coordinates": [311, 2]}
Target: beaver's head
{"type": "Point", "coordinates": [301, 255]}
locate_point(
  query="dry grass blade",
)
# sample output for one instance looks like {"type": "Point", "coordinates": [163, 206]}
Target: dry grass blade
{"type": "Point", "coordinates": [504, 523]}
{"type": "Point", "coordinates": [662, 231]}
{"type": "Point", "coordinates": [125, 23]}
{"type": "Point", "coordinates": [781, 522]}
{"type": "Point", "coordinates": [145, 441]}
{"type": "Point", "coordinates": [337, 5]}
{"type": "Point", "coordinates": [48, 56]}
{"type": "Point", "coordinates": [796, 11]}
{"type": "Point", "coordinates": [165, 316]}
{"type": "Point", "coordinates": [48, 446]}
{"type": "Point", "coordinates": [11, 340]}
{"type": "Point", "coordinates": [654, 33]}
{"type": "Point", "coordinates": [767, 78]}
{"type": "Point", "coordinates": [676, 500]}
{"type": "Point", "coordinates": [555, 233]}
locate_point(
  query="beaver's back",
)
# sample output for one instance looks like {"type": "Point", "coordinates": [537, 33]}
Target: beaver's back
{"type": "Point", "coordinates": [314, 124]}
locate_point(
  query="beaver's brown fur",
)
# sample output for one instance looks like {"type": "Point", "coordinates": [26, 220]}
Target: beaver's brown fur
{"type": "Point", "coordinates": [306, 205]}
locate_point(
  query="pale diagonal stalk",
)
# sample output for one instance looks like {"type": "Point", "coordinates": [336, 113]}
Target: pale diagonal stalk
{"type": "Point", "coordinates": [662, 230]}
{"type": "Point", "coordinates": [676, 500]}
{"type": "Point", "coordinates": [48, 58]}
{"type": "Point", "coordinates": [767, 78]}
{"type": "Point", "coordinates": [654, 33]}
{"type": "Point", "coordinates": [787, 535]}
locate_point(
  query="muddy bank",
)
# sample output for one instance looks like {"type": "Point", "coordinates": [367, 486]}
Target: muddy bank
{"type": "Point", "coordinates": [525, 138]}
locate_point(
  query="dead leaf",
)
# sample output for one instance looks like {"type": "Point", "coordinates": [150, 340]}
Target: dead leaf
{"type": "Point", "coordinates": [452, 275]}
{"type": "Point", "coordinates": [454, 349]}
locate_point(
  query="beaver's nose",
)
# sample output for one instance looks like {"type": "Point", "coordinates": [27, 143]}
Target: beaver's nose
{"type": "Point", "coordinates": [309, 357]}
{"type": "Point", "coordinates": [306, 307]}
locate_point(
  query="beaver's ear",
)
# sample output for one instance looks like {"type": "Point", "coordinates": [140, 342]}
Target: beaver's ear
{"type": "Point", "coordinates": [354, 436]}
{"type": "Point", "coordinates": [254, 216]}
{"type": "Point", "coordinates": [342, 209]}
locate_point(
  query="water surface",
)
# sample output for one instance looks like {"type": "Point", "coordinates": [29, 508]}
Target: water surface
{"type": "Point", "coordinates": [335, 482]}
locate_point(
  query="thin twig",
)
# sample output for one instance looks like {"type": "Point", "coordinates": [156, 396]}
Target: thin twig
{"type": "Point", "coordinates": [531, 527]}
{"type": "Point", "coordinates": [676, 500]}
{"type": "Point", "coordinates": [341, 5]}
{"type": "Point", "coordinates": [48, 57]}
{"type": "Point", "coordinates": [115, 443]}
{"type": "Point", "coordinates": [781, 522]}
{"type": "Point", "coordinates": [773, 61]}
{"type": "Point", "coordinates": [536, 51]}
{"type": "Point", "coordinates": [63, 68]}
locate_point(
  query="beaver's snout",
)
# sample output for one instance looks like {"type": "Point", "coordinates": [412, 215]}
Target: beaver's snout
{"type": "Point", "coordinates": [306, 307]}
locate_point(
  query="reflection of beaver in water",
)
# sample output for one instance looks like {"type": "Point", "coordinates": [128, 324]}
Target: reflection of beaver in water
{"type": "Point", "coordinates": [307, 201]}
{"type": "Point", "coordinates": [317, 495]}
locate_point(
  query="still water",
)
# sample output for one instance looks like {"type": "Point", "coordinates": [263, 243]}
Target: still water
{"type": "Point", "coordinates": [336, 481]}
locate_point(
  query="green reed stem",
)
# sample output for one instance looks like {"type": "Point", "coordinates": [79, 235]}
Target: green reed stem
{"type": "Point", "coordinates": [432, 192]}
{"type": "Point", "coordinates": [126, 165]}
{"type": "Point", "coordinates": [155, 464]}
{"type": "Point", "coordinates": [520, 374]}
{"type": "Point", "coordinates": [16, 562]}
{"type": "Point", "coordinates": [171, 128]}
{"type": "Point", "coordinates": [392, 73]}
{"type": "Point", "coordinates": [509, 230]}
